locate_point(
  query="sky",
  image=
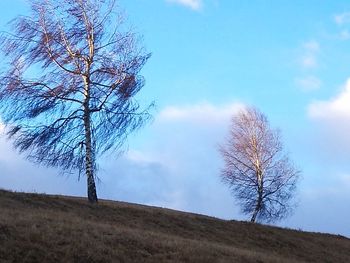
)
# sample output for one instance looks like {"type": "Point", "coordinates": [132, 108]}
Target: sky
{"type": "Point", "coordinates": [291, 59]}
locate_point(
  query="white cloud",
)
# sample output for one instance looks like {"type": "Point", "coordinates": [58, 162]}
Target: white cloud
{"type": "Point", "coordinates": [342, 19]}
{"type": "Point", "coordinates": [179, 164]}
{"type": "Point", "coordinates": [309, 61]}
{"type": "Point", "coordinates": [331, 127]}
{"type": "Point", "coordinates": [204, 113]}
{"type": "Point", "coordinates": [21, 175]}
{"type": "Point", "coordinates": [333, 193]}
{"type": "Point", "coordinates": [193, 4]}
{"type": "Point", "coordinates": [309, 57]}
{"type": "Point", "coordinates": [312, 46]}
{"type": "Point", "coordinates": [138, 157]}
{"type": "Point", "coordinates": [308, 83]}
{"type": "Point", "coordinates": [337, 108]}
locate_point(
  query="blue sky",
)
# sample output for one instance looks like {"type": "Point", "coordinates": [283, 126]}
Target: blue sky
{"type": "Point", "coordinates": [209, 58]}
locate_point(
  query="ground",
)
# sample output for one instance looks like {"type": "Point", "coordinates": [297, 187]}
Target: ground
{"type": "Point", "coordinates": [43, 228]}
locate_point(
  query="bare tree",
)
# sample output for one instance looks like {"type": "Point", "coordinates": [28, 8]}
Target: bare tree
{"type": "Point", "coordinates": [67, 95]}
{"type": "Point", "coordinates": [260, 175]}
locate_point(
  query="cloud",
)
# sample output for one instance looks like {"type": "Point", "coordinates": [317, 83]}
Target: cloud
{"type": "Point", "coordinates": [341, 19]}
{"type": "Point", "coordinates": [308, 63]}
{"type": "Point", "coordinates": [21, 175]}
{"type": "Point", "coordinates": [204, 113]}
{"type": "Point", "coordinates": [193, 4]}
{"type": "Point", "coordinates": [179, 164]}
{"type": "Point", "coordinates": [310, 51]}
{"type": "Point", "coordinates": [335, 109]}
{"type": "Point", "coordinates": [311, 214]}
{"type": "Point", "coordinates": [308, 83]}
{"type": "Point", "coordinates": [331, 127]}
{"type": "Point", "coordinates": [312, 46]}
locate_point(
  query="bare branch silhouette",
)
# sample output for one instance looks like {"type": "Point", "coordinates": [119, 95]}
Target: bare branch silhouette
{"type": "Point", "coordinates": [67, 95]}
{"type": "Point", "coordinates": [260, 175]}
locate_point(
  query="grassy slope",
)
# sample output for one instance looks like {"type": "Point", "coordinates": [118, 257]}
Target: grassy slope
{"type": "Point", "coordinates": [40, 228]}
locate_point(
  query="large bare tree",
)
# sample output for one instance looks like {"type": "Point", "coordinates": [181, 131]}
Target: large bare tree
{"type": "Point", "coordinates": [261, 176]}
{"type": "Point", "coordinates": [67, 95]}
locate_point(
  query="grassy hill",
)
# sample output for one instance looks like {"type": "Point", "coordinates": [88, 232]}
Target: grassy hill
{"type": "Point", "coordinates": [42, 228]}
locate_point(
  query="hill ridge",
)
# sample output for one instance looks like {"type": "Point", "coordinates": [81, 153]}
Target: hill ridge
{"type": "Point", "coordinates": [52, 228]}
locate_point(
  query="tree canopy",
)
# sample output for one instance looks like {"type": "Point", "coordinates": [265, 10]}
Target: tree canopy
{"type": "Point", "coordinates": [259, 173]}
{"type": "Point", "coordinates": [68, 92]}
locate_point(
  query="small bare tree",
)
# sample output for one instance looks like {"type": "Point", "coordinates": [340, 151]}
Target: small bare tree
{"type": "Point", "coordinates": [67, 95]}
{"type": "Point", "coordinates": [260, 175]}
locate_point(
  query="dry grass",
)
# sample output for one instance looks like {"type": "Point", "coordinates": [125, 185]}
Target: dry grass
{"type": "Point", "coordinates": [41, 228]}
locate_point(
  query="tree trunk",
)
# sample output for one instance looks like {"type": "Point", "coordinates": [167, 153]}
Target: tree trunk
{"type": "Point", "coordinates": [256, 210]}
{"type": "Point", "coordinates": [259, 176]}
{"type": "Point", "coordinates": [92, 195]}
{"type": "Point", "coordinates": [89, 160]}
{"type": "Point", "coordinates": [89, 168]}
{"type": "Point", "coordinates": [258, 202]}
{"type": "Point", "coordinates": [89, 156]}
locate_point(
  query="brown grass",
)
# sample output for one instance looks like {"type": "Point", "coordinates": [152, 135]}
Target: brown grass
{"type": "Point", "coordinates": [42, 228]}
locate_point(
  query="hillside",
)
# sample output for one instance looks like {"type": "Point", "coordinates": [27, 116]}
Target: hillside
{"type": "Point", "coordinates": [42, 228]}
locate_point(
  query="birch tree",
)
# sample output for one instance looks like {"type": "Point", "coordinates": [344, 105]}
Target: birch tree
{"type": "Point", "coordinates": [68, 92]}
{"type": "Point", "coordinates": [260, 175]}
